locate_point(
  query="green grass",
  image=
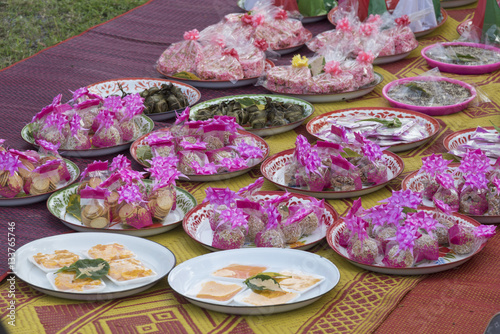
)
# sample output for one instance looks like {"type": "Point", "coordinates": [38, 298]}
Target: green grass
{"type": "Point", "coordinates": [28, 26]}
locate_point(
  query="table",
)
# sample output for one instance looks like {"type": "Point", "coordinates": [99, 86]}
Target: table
{"type": "Point", "coordinates": [457, 301]}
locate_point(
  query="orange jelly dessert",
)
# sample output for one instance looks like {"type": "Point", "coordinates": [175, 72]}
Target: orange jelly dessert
{"type": "Point", "coordinates": [128, 269]}
{"type": "Point", "coordinates": [59, 259]}
{"type": "Point", "coordinates": [239, 271]}
{"type": "Point", "coordinates": [218, 291]}
{"type": "Point", "coordinates": [66, 281]}
{"type": "Point", "coordinates": [262, 298]}
{"type": "Point", "coordinates": [110, 252]}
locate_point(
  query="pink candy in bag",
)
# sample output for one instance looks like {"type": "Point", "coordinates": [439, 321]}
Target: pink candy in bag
{"type": "Point", "coordinates": [182, 56]}
{"type": "Point", "coordinates": [344, 176]}
{"type": "Point", "coordinates": [447, 193]}
{"type": "Point", "coordinates": [232, 229]}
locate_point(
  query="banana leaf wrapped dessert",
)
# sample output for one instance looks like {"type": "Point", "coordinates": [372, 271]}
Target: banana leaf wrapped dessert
{"type": "Point", "coordinates": [254, 113]}
{"type": "Point", "coordinates": [164, 98]}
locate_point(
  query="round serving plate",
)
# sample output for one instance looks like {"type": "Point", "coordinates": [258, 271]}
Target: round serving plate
{"type": "Point", "coordinates": [74, 171]}
{"type": "Point", "coordinates": [137, 85]}
{"type": "Point", "coordinates": [151, 254]}
{"type": "Point", "coordinates": [273, 169]}
{"type": "Point", "coordinates": [267, 131]}
{"type": "Point", "coordinates": [335, 97]}
{"type": "Point", "coordinates": [145, 126]}
{"type": "Point", "coordinates": [380, 60]}
{"type": "Point", "coordinates": [435, 110]}
{"type": "Point", "coordinates": [322, 123]}
{"type": "Point", "coordinates": [447, 258]}
{"type": "Point", "coordinates": [453, 140]}
{"type": "Point", "coordinates": [189, 273]}
{"type": "Point", "coordinates": [219, 84]}
{"type": "Point", "coordinates": [197, 226]}
{"type": "Point", "coordinates": [215, 177]}
{"type": "Point", "coordinates": [444, 17]}
{"type": "Point", "coordinates": [461, 69]}
{"type": "Point", "coordinates": [58, 202]}
{"type": "Point", "coordinates": [414, 182]}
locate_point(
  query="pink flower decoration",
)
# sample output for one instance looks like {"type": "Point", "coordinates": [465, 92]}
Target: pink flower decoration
{"type": "Point", "coordinates": [231, 52]}
{"type": "Point", "coordinates": [475, 161]}
{"type": "Point", "coordinates": [113, 103]}
{"type": "Point", "coordinates": [344, 24]}
{"type": "Point", "coordinates": [405, 236]}
{"type": "Point", "coordinates": [373, 18]}
{"type": "Point", "coordinates": [422, 220]}
{"type": "Point", "coordinates": [443, 207]}
{"type": "Point", "coordinates": [183, 117]}
{"type": "Point", "coordinates": [120, 162]}
{"type": "Point", "coordinates": [250, 189]}
{"type": "Point", "coordinates": [75, 124]}
{"type": "Point", "coordinates": [49, 147]}
{"type": "Point", "coordinates": [236, 217]}
{"type": "Point", "coordinates": [485, 231]}
{"type": "Point", "coordinates": [365, 57]}
{"type": "Point", "coordinates": [406, 198]}
{"type": "Point", "coordinates": [248, 151]}
{"type": "Point", "coordinates": [9, 163]}
{"type": "Point", "coordinates": [220, 196]}
{"type": "Point", "coordinates": [247, 18]}
{"type": "Point", "coordinates": [446, 180]}
{"type": "Point", "coordinates": [434, 164]}
{"type": "Point", "coordinates": [274, 217]}
{"type": "Point", "coordinates": [367, 29]}
{"type": "Point", "coordinates": [403, 21]}
{"type": "Point", "coordinates": [477, 181]}
{"type": "Point", "coordinates": [233, 164]}
{"type": "Point", "coordinates": [257, 20]}
{"type": "Point", "coordinates": [192, 35]}
{"type": "Point", "coordinates": [199, 145]}
{"type": "Point", "coordinates": [207, 169]}
{"type": "Point", "coordinates": [133, 104]}
{"type": "Point", "coordinates": [105, 118]}
{"type": "Point", "coordinates": [281, 15]}
{"type": "Point", "coordinates": [83, 91]}
{"type": "Point", "coordinates": [333, 67]}
{"type": "Point", "coordinates": [129, 175]}
{"type": "Point", "coordinates": [130, 193]}
{"type": "Point", "coordinates": [261, 44]}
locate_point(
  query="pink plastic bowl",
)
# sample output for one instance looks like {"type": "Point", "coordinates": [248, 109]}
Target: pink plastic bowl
{"type": "Point", "coordinates": [431, 111]}
{"type": "Point", "coordinates": [462, 69]}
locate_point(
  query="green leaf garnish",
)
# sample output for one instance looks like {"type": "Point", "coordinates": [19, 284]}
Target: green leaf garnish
{"type": "Point", "coordinates": [349, 153]}
{"type": "Point", "coordinates": [449, 156]}
{"type": "Point", "coordinates": [466, 57]}
{"type": "Point", "coordinates": [246, 102]}
{"type": "Point", "coordinates": [408, 210]}
{"type": "Point", "coordinates": [395, 123]}
{"type": "Point", "coordinates": [496, 127]}
{"type": "Point", "coordinates": [186, 75]}
{"type": "Point", "coordinates": [144, 153]}
{"type": "Point", "coordinates": [88, 268]}
{"type": "Point", "coordinates": [73, 208]}
{"type": "Point", "coordinates": [263, 282]}
{"type": "Point", "coordinates": [416, 88]}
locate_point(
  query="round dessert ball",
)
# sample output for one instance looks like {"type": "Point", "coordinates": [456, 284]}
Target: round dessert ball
{"type": "Point", "coordinates": [226, 237]}
{"type": "Point", "coordinates": [270, 238]}
{"type": "Point", "coordinates": [291, 232]}
{"type": "Point", "coordinates": [309, 224]}
{"type": "Point", "coordinates": [363, 251]}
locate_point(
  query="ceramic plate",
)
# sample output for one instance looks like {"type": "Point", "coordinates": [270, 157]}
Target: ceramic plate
{"type": "Point", "coordinates": [25, 200]}
{"type": "Point", "coordinates": [215, 177]}
{"type": "Point", "coordinates": [219, 84]}
{"type": "Point", "coordinates": [197, 226]}
{"type": "Point", "coordinates": [306, 19]}
{"type": "Point", "coordinates": [187, 274]}
{"type": "Point", "coordinates": [273, 169]}
{"type": "Point", "coordinates": [145, 125]}
{"type": "Point", "coordinates": [431, 111]}
{"type": "Point", "coordinates": [137, 85]}
{"type": "Point", "coordinates": [155, 256]}
{"type": "Point", "coordinates": [457, 138]}
{"type": "Point", "coordinates": [444, 17]}
{"type": "Point", "coordinates": [58, 202]}
{"type": "Point", "coordinates": [413, 181]}
{"type": "Point", "coordinates": [291, 49]}
{"type": "Point", "coordinates": [321, 123]}
{"type": "Point", "coordinates": [455, 3]}
{"type": "Point", "coordinates": [267, 131]}
{"type": "Point", "coordinates": [391, 58]}
{"type": "Point", "coordinates": [324, 98]}
{"type": "Point", "coordinates": [461, 69]}
{"type": "Point", "coordinates": [447, 258]}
